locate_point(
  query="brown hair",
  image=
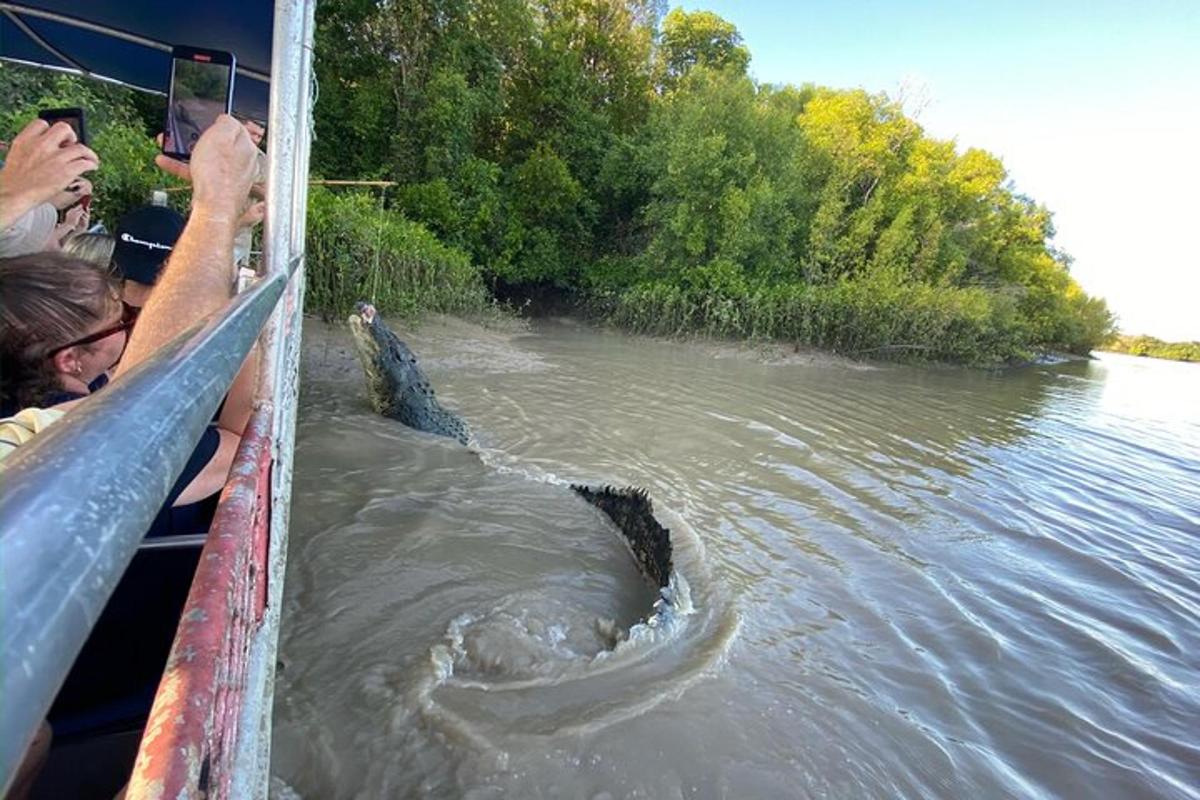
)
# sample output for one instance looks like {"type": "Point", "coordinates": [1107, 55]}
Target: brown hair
{"type": "Point", "coordinates": [46, 301]}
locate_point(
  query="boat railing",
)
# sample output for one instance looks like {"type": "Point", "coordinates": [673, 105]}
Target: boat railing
{"type": "Point", "coordinates": [76, 502]}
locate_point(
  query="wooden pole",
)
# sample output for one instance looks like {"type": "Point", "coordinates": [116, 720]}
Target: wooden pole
{"type": "Point", "coordinates": [383, 184]}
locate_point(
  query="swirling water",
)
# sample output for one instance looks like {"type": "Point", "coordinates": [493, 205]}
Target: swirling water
{"type": "Point", "coordinates": [904, 581]}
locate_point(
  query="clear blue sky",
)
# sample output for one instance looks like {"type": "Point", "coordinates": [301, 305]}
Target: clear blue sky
{"type": "Point", "coordinates": [1094, 108]}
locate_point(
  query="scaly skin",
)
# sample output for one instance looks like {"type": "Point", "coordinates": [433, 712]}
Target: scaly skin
{"type": "Point", "coordinates": [395, 383]}
{"type": "Point", "coordinates": [632, 512]}
{"type": "Point", "coordinates": [399, 389]}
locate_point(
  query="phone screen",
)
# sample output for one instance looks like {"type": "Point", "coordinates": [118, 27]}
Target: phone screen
{"type": "Point", "coordinates": [71, 116]}
{"type": "Point", "coordinates": [199, 94]}
{"type": "Point", "coordinates": [74, 123]}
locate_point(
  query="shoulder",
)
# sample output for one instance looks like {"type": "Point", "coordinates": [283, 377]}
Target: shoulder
{"type": "Point", "coordinates": [24, 425]}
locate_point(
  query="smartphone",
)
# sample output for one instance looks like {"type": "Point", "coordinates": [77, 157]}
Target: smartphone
{"type": "Point", "coordinates": [72, 116]}
{"type": "Point", "coordinates": [201, 90]}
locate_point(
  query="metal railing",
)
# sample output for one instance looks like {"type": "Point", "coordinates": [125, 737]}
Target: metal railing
{"type": "Point", "coordinates": [76, 502]}
{"type": "Point", "coordinates": [292, 99]}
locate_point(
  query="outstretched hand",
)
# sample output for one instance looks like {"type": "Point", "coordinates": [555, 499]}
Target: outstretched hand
{"type": "Point", "coordinates": [253, 215]}
{"type": "Point", "coordinates": [222, 169]}
{"type": "Point", "coordinates": [70, 196]}
{"type": "Point", "coordinates": [42, 161]}
{"type": "Point", "coordinates": [183, 170]}
{"type": "Point", "coordinates": [75, 221]}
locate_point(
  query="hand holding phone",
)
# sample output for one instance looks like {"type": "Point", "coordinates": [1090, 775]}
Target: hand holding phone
{"type": "Point", "coordinates": [78, 193]}
{"type": "Point", "coordinates": [40, 163]}
{"type": "Point", "coordinates": [72, 116]}
{"type": "Point", "coordinates": [222, 169]}
{"type": "Point", "coordinates": [201, 90]}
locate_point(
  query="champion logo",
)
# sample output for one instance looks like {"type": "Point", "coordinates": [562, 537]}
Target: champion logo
{"type": "Point", "coordinates": [125, 237]}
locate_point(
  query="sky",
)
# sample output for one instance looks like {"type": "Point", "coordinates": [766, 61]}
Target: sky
{"type": "Point", "coordinates": [1094, 108]}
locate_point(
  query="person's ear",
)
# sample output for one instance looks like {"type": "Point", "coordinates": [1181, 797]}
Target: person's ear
{"type": "Point", "coordinates": [67, 361]}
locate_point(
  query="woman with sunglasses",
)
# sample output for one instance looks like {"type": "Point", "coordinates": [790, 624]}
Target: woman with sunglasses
{"type": "Point", "coordinates": [63, 327]}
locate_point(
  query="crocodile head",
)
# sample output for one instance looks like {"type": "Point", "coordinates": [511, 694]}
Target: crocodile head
{"type": "Point", "coordinates": [396, 385]}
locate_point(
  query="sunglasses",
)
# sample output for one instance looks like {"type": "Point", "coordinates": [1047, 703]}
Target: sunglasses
{"type": "Point", "coordinates": [128, 318]}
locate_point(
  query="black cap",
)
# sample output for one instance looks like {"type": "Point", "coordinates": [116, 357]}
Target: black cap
{"type": "Point", "coordinates": [145, 237]}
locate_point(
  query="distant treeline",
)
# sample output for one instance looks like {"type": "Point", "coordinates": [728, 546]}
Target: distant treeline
{"type": "Point", "coordinates": [621, 154]}
{"type": "Point", "coordinates": [1154, 348]}
{"type": "Point", "coordinates": [608, 149]}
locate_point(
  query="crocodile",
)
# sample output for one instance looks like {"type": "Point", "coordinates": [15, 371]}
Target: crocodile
{"type": "Point", "coordinates": [398, 388]}
{"type": "Point", "coordinates": [396, 385]}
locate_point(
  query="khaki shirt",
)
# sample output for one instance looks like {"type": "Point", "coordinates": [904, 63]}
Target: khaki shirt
{"type": "Point", "coordinates": [20, 428]}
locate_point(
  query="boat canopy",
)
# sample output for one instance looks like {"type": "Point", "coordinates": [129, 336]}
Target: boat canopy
{"type": "Point", "coordinates": [129, 41]}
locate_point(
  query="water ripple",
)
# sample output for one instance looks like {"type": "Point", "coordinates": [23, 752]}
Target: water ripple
{"type": "Point", "coordinates": [946, 583]}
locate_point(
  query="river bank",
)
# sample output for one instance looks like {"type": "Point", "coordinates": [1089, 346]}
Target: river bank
{"type": "Point", "coordinates": [1150, 347]}
{"type": "Point", "coordinates": [328, 354]}
{"type": "Point", "coordinates": [863, 319]}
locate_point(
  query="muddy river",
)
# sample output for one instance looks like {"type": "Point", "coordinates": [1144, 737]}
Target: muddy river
{"type": "Point", "coordinates": [896, 581]}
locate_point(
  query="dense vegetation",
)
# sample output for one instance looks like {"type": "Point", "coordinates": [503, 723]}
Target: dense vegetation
{"type": "Point", "coordinates": [357, 249]}
{"type": "Point", "coordinates": [622, 155]}
{"type": "Point", "coordinates": [1153, 348]}
{"type": "Point", "coordinates": [117, 125]}
{"type": "Point", "coordinates": [602, 148]}
{"type": "Point", "coordinates": [360, 251]}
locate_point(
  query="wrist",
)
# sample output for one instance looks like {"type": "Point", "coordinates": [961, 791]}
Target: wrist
{"type": "Point", "coordinates": [218, 210]}
{"type": "Point", "coordinates": [221, 220]}
{"type": "Point", "coordinates": [14, 203]}
{"type": "Point", "coordinates": [215, 228]}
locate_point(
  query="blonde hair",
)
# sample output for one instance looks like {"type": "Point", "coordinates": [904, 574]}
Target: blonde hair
{"type": "Point", "coordinates": [94, 247]}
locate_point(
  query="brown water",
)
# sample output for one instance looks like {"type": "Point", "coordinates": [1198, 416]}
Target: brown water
{"type": "Point", "coordinates": [900, 581]}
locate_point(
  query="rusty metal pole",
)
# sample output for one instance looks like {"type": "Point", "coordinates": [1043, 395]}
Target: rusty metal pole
{"type": "Point", "coordinates": [292, 56]}
{"type": "Point", "coordinates": [77, 500]}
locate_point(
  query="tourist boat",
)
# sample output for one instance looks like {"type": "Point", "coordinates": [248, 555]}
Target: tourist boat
{"type": "Point", "coordinates": [75, 503]}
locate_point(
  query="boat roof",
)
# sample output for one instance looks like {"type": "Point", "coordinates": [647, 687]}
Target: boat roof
{"type": "Point", "coordinates": [130, 41]}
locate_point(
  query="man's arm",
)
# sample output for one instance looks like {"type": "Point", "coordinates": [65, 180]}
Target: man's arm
{"type": "Point", "coordinates": [198, 277]}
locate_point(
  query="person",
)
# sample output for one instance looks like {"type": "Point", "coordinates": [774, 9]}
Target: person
{"type": "Point", "coordinates": [194, 284]}
{"type": "Point", "coordinates": [72, 221]}
{"type": "Point", "coordinates": [62, 327]}
{"type": "Point", "coordinates": [144, 240]}
{"type": "Point", "coordinates": [74, 195]}
{"type": "Point", "coordinates": [51, 344]}
{"type": "Point", "coordinates": [44, 166]}
{"type": "Point", "coordinates": [31, 232]}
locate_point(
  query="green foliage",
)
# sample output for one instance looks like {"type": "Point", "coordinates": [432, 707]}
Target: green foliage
{"type": "Point", "coordinates": [127, 174]}
{"type": "Point", "coordinates": [725, 180]}
{"type": "Point", "coordinates": [840, 195]}
{"type": "Point", "coordinates": [1150, 347]}
{"type": "Point", "coordinates": [609, 150]}
{"type": "Point", "coordinates": [600, 147]}
{"type": "Point", "coordinates": [550, 238]}
{"type": "Point", "coordinates": [851, 317]}
{"type": "Point", "coordinates": [358, 250]}
{"type": "Point", "coordinates": [700, 39]}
